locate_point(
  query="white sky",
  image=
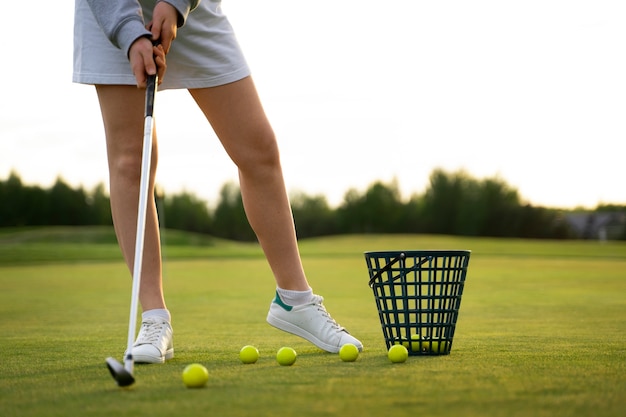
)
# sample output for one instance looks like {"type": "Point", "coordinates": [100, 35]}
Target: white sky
{"type": "Point", "coordinates": [358, 91]}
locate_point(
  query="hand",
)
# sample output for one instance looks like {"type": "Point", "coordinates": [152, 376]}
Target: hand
{"type": "Point", "coordinates": [164, 24]}
{"type": "Point", "coordinates": [146, 59]}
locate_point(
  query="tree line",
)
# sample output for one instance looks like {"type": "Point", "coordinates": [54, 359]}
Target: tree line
{"type": "Point", "coordinates": [454, 203]}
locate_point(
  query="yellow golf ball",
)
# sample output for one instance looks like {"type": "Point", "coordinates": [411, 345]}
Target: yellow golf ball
{"type": "Point", "coordinates": [349, 352]}
{"type": "Point", "coordinates": [398, 354]}
{"type": "Point", "coordinates": [195, 376]}
{"type": "Point", "coordinates": [249, 354]}
{"type": "Point", "coordinates": [286, 356]}
{"type": "Point", "coordinates": [415, 343]}
{"type": "Point", "coordinates": [439, 347]}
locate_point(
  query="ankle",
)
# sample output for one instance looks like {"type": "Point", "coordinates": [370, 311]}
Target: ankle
{"type": "Point", "coordinates": [157, 313]}
{"type": "Point", "coordinates": [293, 297]}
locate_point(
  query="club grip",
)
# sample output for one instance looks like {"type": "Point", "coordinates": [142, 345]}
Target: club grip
{"type": "Point", "coordinates": [150, 93]}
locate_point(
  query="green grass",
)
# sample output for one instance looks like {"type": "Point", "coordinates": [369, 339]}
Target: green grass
{"type": "Point", "coordinates": [540, 332]}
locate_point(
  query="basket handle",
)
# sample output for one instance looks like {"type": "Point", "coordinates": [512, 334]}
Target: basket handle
{"type": "Point", "coordinates": [400, 257]}
{"type": "Point", "coordinates": [386, 268]}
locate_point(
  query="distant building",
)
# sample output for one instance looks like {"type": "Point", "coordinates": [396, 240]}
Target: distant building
{"type": "Point", "coordinates": [597, 225]}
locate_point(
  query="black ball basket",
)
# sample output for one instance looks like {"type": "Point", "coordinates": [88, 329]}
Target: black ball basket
{"type": "Point", "coordinates": [418, 296]}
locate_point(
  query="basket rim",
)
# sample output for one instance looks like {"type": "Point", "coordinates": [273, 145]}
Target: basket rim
{"type": "Point", "coordinates": [417, 252]}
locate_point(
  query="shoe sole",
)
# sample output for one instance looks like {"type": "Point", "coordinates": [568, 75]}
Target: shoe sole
{"type": "Point", "coordinates": [153, 359]}
{"type": "Point", "coordinates": [298, 331]}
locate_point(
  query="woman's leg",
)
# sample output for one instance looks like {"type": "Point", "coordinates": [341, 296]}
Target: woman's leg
{"type": "Point", "coordinates": [238, 119]}
{"type": "Point", "coordinates": [122, 110]}
{"type": "Point", "coordinates": [236, 114]}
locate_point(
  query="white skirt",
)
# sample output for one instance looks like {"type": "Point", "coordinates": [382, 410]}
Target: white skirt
{"type": "Point", "coordinates": [205, 52]}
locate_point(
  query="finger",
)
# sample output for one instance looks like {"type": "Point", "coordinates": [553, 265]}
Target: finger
{"type": "Point", "coordinates": [140, 77]}
{"type": "Point", "coordinates": [166, 37]}
{"type": "Point", "coordinates": [158, 52]}
{"type": "Point", "coordinates": [147, 67]}
{"type": "Point", "coordinates": [142, 62]}
{"type": "Point", "coordinates": [159, 59]}
{"type": "Point", "coordinates": [149, 64]}
{"type": "Point", "coordinates": [155, 29]}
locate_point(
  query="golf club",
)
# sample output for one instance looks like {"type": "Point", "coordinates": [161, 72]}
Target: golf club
{"type": "Point", "coordinates": [123, 374]}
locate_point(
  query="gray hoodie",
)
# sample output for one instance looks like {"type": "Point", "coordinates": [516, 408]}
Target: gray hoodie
{"type": "Point", "coordinates": [122, 20]}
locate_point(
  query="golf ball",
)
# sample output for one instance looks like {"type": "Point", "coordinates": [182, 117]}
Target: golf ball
{"type": "Point", "coordinates": [249, 354]}
{"type": "Point", "coordinates": [195, 376]}
{"type": "Point", "coordinates": [414, 345]}
{"type": "Point", "coordinates": [286, 356]}
{"type": "Point", "coordinates": [349, 352]}
{"type": "Point", "coordinates": [439, 347]}
{"type": "Point", "coordinates": [398, 354]}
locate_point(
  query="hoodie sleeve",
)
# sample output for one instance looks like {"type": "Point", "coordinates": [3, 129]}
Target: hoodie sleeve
{"type": "Point", "coordinates": [122, 20]}
{"type": "Point", "coordinates": [184, 7]}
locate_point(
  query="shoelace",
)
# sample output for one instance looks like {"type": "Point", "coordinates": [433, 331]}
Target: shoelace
{"type": "Point", "coordinates": [150, 332]}
{"type": "Point", "coordinates": [317, 301]}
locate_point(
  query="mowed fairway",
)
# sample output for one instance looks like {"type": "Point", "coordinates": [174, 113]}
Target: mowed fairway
{"type": "Point", "coordinates": [541, 332]}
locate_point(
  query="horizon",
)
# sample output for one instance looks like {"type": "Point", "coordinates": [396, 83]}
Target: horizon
{"type": "Point", "coordinates": [211, 203]}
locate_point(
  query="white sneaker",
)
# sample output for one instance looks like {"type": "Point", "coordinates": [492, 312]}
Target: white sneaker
{"type": "Point", "coordinates": [312, 322]}
{"type": "Point", "coordinates": [154, 342]}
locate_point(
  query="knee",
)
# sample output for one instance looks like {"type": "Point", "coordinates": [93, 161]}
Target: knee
{"type": "Point", "coordinates": [125, 168]}
{"type": "Point", "coordinates": [259, 154]}
{"type": "Point", "coordinates": [125, 164]}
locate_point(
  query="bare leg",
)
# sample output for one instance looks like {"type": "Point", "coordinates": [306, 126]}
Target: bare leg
{"type": "Point", "coordinates": [122, 113]}
{"type": "Point", "coordinates": [237, 117]}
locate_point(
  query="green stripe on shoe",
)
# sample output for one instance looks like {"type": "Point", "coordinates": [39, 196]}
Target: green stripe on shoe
{"type": "Point", "coordinates": [281, 303]}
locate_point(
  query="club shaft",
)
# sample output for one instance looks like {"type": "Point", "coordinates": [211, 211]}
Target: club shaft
{"type": "Point", "coordinates": [144, 186]}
